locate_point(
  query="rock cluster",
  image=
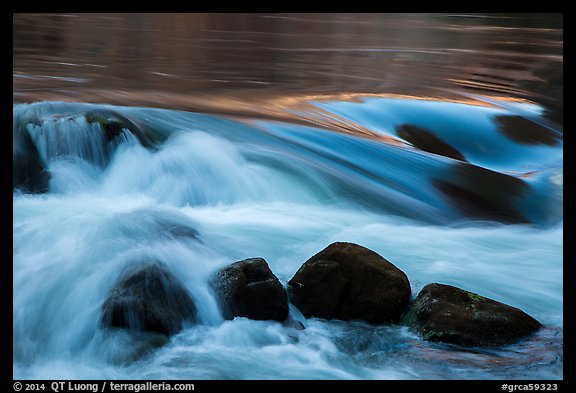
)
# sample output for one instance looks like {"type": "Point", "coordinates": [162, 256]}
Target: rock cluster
{"type": "Point", "coordinates": [344, 281]}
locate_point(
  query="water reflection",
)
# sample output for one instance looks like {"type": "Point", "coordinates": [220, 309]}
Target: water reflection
{"type": "Point", "coordinates": [69, 55]}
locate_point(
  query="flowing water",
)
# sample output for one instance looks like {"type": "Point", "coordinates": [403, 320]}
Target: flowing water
{"type": "Point", "coordinates": [434, 140]}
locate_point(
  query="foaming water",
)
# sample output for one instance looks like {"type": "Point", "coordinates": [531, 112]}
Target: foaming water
{"type": "Point", "coordinates": [211, 190]}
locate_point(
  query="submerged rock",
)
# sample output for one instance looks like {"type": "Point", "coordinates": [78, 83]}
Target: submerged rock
{"type": "Point", "coordinates": [481, 193]}
{"type": "Point", "coordinates": [128, 346]}
{"type": "Point", "coordinates": [525, 131]}
{"type": "Point", "coordinates": [349, 282]}
{"type": "Point", "coordinates": [178, 230]}
{"type": "Point", "coordinates": [293, 323]}
{"type": "Point", "coordinates": [149, 298]}
{"type": "Point", "coordinates": [453, 315]}
{"type": "Point", "coordinates": [248, 288]}
{"type": "Point", "coordinates": [425, 140]}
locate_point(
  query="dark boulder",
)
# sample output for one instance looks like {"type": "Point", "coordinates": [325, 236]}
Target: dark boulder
{"type": "Point", "coordinates": [149, 298]}
{"type": "Point", "coordinates": [248, 288]}
{"type": "Point", "coordinates": [426, 140]}
{"type": "Point", "coordinates": [29, 173]}
{"type": "Point", "coordinates": [452, 315]}
{"type": "Point", "coordinates": [350, 282]}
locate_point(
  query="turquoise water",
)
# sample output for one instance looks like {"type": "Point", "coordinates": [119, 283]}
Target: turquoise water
{"type": "Point", "coordinates": [283, 190]}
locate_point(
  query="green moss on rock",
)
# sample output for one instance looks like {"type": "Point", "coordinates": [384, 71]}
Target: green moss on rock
{"type": "Point", "coordinates": [449, 314]}
{"type": "Point", "coordinates": [475, 297]}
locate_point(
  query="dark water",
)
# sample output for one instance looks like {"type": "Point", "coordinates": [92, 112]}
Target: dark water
{"type": "Point", "coordinates": [435, 140]}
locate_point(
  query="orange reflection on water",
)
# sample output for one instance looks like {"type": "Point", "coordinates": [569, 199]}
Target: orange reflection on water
{"type": "Point", "coordinates": [250, 106]}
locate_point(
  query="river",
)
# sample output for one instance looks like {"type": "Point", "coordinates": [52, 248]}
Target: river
{"type": "Point", "coordinates": [435, 140]}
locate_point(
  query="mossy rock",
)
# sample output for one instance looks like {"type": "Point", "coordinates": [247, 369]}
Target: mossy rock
{"type": "Point", "coordinates": [113, 124]}
{"type": "Point", "coordinates": [453, 315]}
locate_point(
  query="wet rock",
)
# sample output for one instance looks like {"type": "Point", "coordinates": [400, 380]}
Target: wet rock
{"type": "Point", "coordinates": [248, 288]}
{"type": "Point", "coordinates": [349, 282]}
{"type": "Point", "coordinates": [149, 298]}
{"type": "Point", "coordinates": [453, 315]}
{"type": "Point", "coordinates": [427, 141]}
{"type": "Point", "coordinates": [29, 172]}
{"type": "Point", "coordinates": [481, 193]}
{"type": "Point", "coordinates": [113, 124]}
{"type": "Point", "coordinates": [526, 132]}
{"type": "Point", "coordinates": [59, 135]}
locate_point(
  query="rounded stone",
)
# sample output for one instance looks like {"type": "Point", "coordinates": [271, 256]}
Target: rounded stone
{"type": "Point", "coordinates": [349, 282]}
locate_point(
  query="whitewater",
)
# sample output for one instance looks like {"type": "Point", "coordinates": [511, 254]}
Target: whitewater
{"type": "Point", "coordinates": [200, 191]}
